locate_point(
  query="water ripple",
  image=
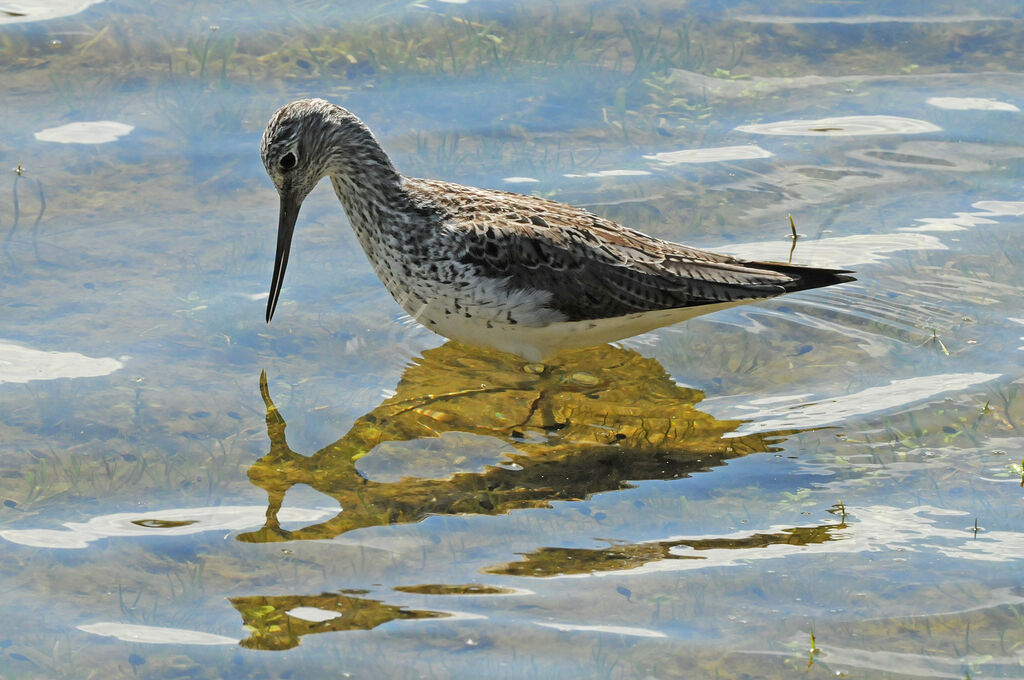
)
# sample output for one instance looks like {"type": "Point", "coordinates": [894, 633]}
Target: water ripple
{"type": "Point", "coordinates": [617, 630]}
{"type": "Point", "coordinates": [710, 155]}
{"type": "Point", "coordinates": [767, 416]}
{"type": "Point", "coordinates": [844, 126]}
{"type": "Point", "coordinates": [173, 522]}
{"type": "Point", "coordinates": [836, 251]}
{"type": "Point", "coordinates": [970, 104]}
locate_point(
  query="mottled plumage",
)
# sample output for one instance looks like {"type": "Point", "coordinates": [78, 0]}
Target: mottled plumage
{"type": "Point", "coordinates": [516, 273]}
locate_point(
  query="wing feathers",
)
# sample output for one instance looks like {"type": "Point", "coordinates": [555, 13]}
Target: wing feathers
{"type": "Point", "coordinates": [594, 268]}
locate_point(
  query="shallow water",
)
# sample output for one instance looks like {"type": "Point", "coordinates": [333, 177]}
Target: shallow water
{"type": "Point", "coordinates": [827, 484]}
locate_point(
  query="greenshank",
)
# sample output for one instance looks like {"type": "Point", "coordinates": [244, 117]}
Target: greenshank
{"type": "Point", "coordinates": [490, 268]}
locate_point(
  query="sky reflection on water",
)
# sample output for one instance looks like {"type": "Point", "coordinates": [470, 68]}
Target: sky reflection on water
{"type": "Point", "coordinates": [845, 461]}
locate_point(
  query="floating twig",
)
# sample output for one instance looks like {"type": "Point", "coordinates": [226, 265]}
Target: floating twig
{"type": "Point", "coordinates": [18, 172]}
{"type": "Point", "coordinates": [792, 228]}
{"type": "Point", "coordinates": [937, 341]}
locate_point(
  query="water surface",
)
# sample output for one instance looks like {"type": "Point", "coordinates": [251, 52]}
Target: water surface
{"type": "Point", "coordinates": [827, 484]}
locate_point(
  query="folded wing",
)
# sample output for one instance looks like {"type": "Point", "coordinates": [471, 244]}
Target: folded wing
{"type": "Point", "coordinates": [594, 268]}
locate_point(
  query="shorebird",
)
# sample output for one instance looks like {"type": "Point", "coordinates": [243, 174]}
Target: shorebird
{"type": "Point", "coordinates": [516, 273]}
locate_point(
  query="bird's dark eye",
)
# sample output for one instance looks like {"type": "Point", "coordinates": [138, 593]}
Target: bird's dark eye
{"type": "Point", "coordinates": [288, 161]}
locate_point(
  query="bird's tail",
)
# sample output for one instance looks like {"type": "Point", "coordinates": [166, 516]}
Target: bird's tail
{"type": "Point", "coordinates": [805, 277]}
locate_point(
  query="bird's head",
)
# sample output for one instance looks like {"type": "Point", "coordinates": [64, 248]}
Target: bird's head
{"type": "Point", "coordinates": [304, 142]}
{"type": "Point", "coordinates": [293, 145]}
{"type": "Point", "coordinates": [293, 152]}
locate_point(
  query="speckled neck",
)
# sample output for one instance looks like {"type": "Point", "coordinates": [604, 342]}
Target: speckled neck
{"type": "Point", "coordinates": [369, 187]}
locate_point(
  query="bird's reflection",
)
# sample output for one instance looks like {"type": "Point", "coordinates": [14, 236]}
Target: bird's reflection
{"type": "Point", "coordinates": [623, 556]}
{"type": "Point", "coordinates": [588, 423]}
{"type": "Point", "coordinates": [278, 622]}
{"type": "Point", "coordinates": [585, 424]}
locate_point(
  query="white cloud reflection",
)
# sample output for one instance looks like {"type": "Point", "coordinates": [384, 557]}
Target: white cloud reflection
{"type": "Point", "coordinates": [313, 614]}
{"type": "Point", "coordinates": [844, 126]}
{"type": "Point", "coordinates": [773, 413]}
{"type": "Point", "coordinates": [970, 104]}
{"type": "Point", "coordinates": [710, 154]}
{"type": "Point", "coordinates": [869, 529]}
{"type": "Point", "coordinates": [21, 11]}
{"type": "Point", "coordinates": [616, 630]}
{"type": "Point", "coordinates": [612, 173]}
{"type": "Point", "coordinates": [175, 522]}
{"type": "Point", "coordinates": [965, 220]}
{"type": "Point", "coordinates": [85, 132]}
{"type": "Point", "coordinates": [154, 635]}
{"type": "Point", "coordinates": [837, 251]}
{"type": "Point", "coordinates": [19, 364]}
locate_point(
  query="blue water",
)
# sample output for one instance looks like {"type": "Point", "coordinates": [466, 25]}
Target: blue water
{"type": "Point", "coordinates": [827, 484]}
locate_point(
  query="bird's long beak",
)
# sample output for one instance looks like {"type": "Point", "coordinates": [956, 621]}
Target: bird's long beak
{"type": "Point", "coordinates": [285, 226]}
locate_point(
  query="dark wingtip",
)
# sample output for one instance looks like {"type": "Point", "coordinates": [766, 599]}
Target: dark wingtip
{"type": "Point", "coordinates": [805, 277]}
{"type": "Point", "coordinates": [837, 276]}
{"type": "Point", "coordinates": [841, 277]}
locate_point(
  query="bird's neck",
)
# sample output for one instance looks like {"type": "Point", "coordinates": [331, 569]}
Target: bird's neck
{"type": "Point", "coordinates": [382, 216]}
{"type": "Point", "coordinates": [370, 195]}
{"type": "Point", "coordinates": [363, 176]}
{"type": "Point", "coordinates": [373, 193]}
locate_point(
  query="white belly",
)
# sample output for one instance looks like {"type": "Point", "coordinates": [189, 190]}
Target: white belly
{"type": "Point", "coordinates": [537, 343]}
{"type": "Point", "coordinates": [488, 314]}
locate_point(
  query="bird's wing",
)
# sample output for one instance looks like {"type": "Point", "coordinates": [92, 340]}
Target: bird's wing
{"type": "Point", "coordinates": [592, 267]}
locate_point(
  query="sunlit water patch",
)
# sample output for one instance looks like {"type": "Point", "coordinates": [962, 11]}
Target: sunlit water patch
{"type": "Point", "coordinates": [963, 221]}
{"type": "Point", "coordinates": [610, 173]}
{"type": "Point", "coordinates": [174, 522]}
{"type": "Point", "coordinates": [629, 631]}
{"type": "Point", "coordinates": [20, 364]}
{"type": "Point", "coordinates": [970, 104]}
{"type": "Point", "coordinates": [85, 132]}
{"type": "Point", "coordinates": [313, 614]}
{"type": "Point", "coordinates": [474, 589]}
{"type": "Point", "coordinates": [848, 251]}
{"type": "Point", "coordinates": [422, 485]}
{"type": "Point", "coordinates": [868, 529]}
{"type": "Point", "coordinates": [710, 155]}
{"type": "Point", "coordinates": [19, 11]}
{"type": "Point", "coordinates": [844, 126]}
{"type": "Point", "coordinates": [837, 251]}
{"type": "Point", "coordinates": [778, 412]}
{"type": "Point", "coordinates": [154, 635]}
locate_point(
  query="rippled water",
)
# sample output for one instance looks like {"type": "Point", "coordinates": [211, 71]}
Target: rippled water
{"type": "Point", "coordinates": [827, 484]}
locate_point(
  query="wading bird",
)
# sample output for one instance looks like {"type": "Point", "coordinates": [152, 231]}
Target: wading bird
{"type": "Point", "coordinates": [491, 268]}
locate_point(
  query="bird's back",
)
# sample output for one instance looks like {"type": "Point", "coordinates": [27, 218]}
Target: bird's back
{"type": "Point", "coordinates": [590, 267]}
